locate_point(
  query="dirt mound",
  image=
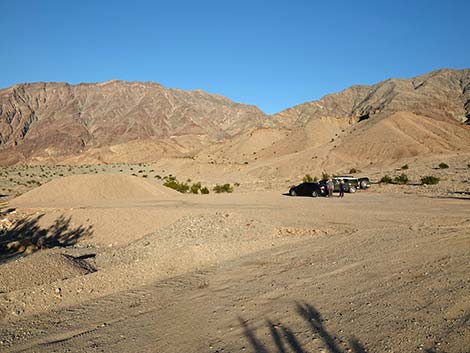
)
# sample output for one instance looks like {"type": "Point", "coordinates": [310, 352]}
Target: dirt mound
{"type": "Point", "coordinates": [79, 190]}
{"type": "Point", "coordinates": [40, 268]}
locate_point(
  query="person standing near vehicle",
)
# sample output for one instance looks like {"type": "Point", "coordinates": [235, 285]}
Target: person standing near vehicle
{"type": "Point", "coordinates": [341, 188]}
{"type": "Point", "coordinates": [330, 186]}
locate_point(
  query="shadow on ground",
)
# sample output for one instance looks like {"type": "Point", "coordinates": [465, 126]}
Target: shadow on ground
{"type": "Point", "coordinates": [26, 236]}
{"type": "Point", "coordinates": [285, 340]}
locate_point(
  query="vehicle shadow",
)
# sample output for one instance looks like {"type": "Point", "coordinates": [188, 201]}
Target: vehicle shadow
{"type": "Point", "coordinates": [285, 340]}
{"type": "Point", "coordinates": [26, 236]}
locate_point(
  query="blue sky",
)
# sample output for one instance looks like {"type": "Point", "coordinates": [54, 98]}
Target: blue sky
{"type": "Point", "coordinates": [274, 54]}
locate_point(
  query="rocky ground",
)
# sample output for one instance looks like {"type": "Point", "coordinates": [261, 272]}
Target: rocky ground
{"type": "Point", "coordinates": [383, 270]}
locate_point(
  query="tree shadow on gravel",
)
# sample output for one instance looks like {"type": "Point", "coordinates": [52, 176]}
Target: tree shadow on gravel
{"type": "Point", "coordinates": [285, 340]}
{"type": "Point", "coordinates": [26, 236]}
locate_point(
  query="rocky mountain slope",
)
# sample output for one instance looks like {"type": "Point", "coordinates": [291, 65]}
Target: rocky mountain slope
{"type": "Point", "coordinates": [47, 121]}
{"type": "Point", "coordinates": [117, 121]}
{"type": "Point", "coordinates": [361, 127]}
{"type": "Point", "coordinates": [438, 94]}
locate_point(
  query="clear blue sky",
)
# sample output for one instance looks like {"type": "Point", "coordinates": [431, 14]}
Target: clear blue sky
{"type": "Point", "coordinates": [274, 54]}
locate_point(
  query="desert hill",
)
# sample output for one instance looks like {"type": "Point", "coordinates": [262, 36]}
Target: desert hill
{"type": "Point", "coordinates": [51, 121]}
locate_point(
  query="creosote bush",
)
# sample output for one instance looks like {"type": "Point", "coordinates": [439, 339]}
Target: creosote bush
{"type": "Point", "coordinates": [195, 188]}
{"type": "Point", "coordinates": [443, 165]}
{"type": "Point", "coordinates": [176, 185]}
{"type": "Point", "coordinates": [401, 179]}
{"type": "Point", "coordinates": [405, 167]}
{"type": "Point", "coordinates": [430, 180]}
{"type": "Point", "coordinates": [354, 171]}
{"type": "Point", "coordinates": [223, 188]}
{"type": "Point", "coordinates": [204, 190]}
{"type": "Point", "coordinates": [386, 179]}
{"type": "Point", "coordinates": [307, 178]}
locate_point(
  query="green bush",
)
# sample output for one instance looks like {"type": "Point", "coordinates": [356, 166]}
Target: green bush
{"type": "Point", "coordinates": [430, 180]}
{"type": "Point", "coordinates": [195, 188]}
{"type": "Point", "coordinates": [176, 185]}
{"type": "Point", "coordinates": [443, 165]}
{"type": "Point", "coordinates": [307, 178]}
{"type": "Point", "coordinates": [401, 179]}
{"type": "Point", "coordinates": [325, 176]}
{"type": "Point", "coordinates": [405, 167]}
{"type": "Point", "coordinates": [223, 188]}
{"type": "Point", "coordinates": [204, 190]}
{"type": "Point", "coordinates": [386, 179]}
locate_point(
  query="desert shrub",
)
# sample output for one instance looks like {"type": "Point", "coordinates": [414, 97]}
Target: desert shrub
{"type": "Point", "coordinates": [386, 179]}
{"type": "Point", "coordinates": [443, 165]}
{"type": "Point", "coordinates": [176, 185]}
{"type": "Point", "coordinates": [158, 176]}
{"type": "Point", "coordinates": [237, 184]}
{"type": "Point", "coordinates": [195, 188]}
{"type": "Point", "coordinates": [307, 178]}
{"type": "Point", "coordinates": [223, 188]}
{"type": "Point", "coordinates": [401, 179]}
{"type": "Point", "coordinates": [325, 176]}
{"type": "Point", "coordinates": [429, 180]}
{"type": "Point", "coordinates": [169, 178]}
{"type": "Point", "coordinates": [468, 165]}
{"type": "Point", "coordinates": [404, 167]}
{"type": "Point", "coordinates": [204, 190]}
{"type": "Point", "coordinates": [353, 171]}
{"type": "Point", "coordinates": [144, 176]}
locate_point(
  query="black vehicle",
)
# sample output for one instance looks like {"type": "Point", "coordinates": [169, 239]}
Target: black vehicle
{"type": "Point", "coordinates": [308, 189]}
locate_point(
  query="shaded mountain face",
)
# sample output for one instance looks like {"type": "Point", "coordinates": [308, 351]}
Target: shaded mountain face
{"type": "Point", "coordinates": [440, 94]}
{"type": "Point", "coordinates": [57, 119]}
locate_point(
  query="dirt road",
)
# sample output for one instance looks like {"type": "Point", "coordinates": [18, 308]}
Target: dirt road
{"type": "Point", "coordinates": [367, 273]}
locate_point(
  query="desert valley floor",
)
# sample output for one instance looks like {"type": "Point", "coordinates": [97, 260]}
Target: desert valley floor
{"type": "Point", "coordinates": [157, 271]}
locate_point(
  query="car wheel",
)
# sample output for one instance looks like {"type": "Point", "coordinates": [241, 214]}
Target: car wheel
{"type": "Point", "coordinates": [352, 189]}
{"type": "Point", "coordinates": [293, 193]}
{"type": "Point", "coordinates": [314, 193]}
{"type": "Point", "coordinates": [363, 184]}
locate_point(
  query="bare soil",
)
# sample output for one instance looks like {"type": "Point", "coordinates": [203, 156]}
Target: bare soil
{"type": "Point", "coordinates": [377, 271]}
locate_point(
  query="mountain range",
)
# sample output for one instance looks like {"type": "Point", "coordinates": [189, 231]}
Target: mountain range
{"type": "Point", "coordinates": [119, 121]}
